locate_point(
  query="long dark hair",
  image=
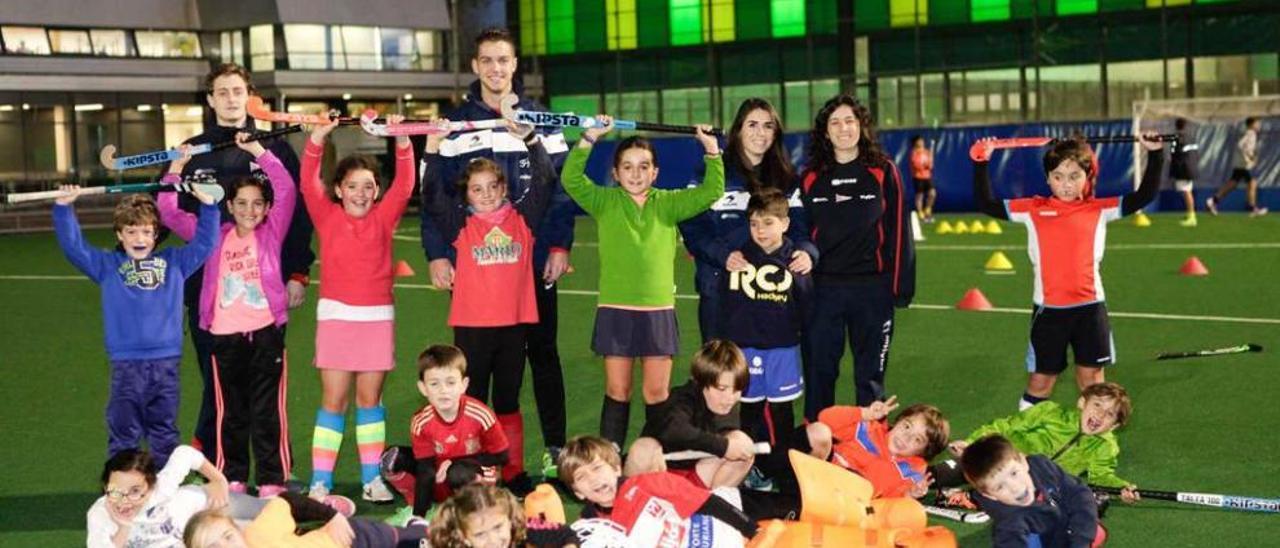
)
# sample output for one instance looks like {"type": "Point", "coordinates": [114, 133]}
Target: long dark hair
{"type": "Point", "coordinates": [775, 168]}
{"type": "Point", "coordinates": [821, 153]}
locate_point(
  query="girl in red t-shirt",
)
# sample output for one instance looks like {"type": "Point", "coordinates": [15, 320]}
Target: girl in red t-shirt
{"type": "Point", "coordinates": [355, 319]}
{"type": "Point", "coordinates": [493, 293]}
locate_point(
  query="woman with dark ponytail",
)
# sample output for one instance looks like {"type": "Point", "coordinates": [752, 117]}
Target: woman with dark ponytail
{"type": "Point", "coordinates": [853, 195]}
{"type": "Point", "coordinates": [755, 159]}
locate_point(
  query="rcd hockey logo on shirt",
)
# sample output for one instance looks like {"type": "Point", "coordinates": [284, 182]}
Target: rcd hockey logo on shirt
{"type": "Point", "coordinates": [767, 283]}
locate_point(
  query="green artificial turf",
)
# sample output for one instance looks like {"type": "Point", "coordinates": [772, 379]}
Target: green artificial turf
{"type": "Point", "coordinates": [1199, 425]}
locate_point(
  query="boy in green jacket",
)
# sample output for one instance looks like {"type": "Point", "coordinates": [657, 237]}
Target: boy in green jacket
{"type": "Point", "coordinates": [636, 225]}
{"type": "Point", "coordinates": [1081, 440]}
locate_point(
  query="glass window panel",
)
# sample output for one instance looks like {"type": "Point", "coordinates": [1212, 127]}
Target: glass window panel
{"type": "Point", "coordinates": [636, 105]}
{"type": "Point", "coordinates": [25, 40]}
{"type": "Point", "coordinates": [1140, 80]}
{"type": "Point", "coordinates": [11, 140]}
{"type": "Point", "coordinates": [731, 97]}
{"type": "Point", "coordinates": [168, 44]}
{"type": "Point", "coordinates": [262, 48]}
{"type": "Point", "coordinates": [861, 59]}
{"type": "Point", "coordinates": [112, 43]}
{"type": "Point", "coordinates": [430, 49]}
{"type": "Point", "coordinates": [933, 101]}
{"type": "Point", "coordinates": [75, 42]}
{"type": "Point", "coordinates": [1071, 92]}
{"type": "Point", "coordinates": [887, 109]}
{"type": "Point", "coordinates": [798, 114]}
{"type": "Point", "coordinates": [96, 127]}
{"type": "Point", "coordinates": [578, 104]}
{"type": "Point", "coordinates": [1076, 7]}
{"type": "Point", "coordinates": [908, 13]}
{"type": "Point", "coordinates": [306, 45]}
{"type": "Point", "coordinates": [989, 10]}
{"type": "Point", "coordinates": [181, 122]}
{"type": "Point", "coordinates": [561, 36]}
{"type": "Point", "coordinates": [533, 27]}
{"type": "Point", "coordinates": [787, 17]}
{"type": "Point", "coordinates": [397, 49]}
{"type": "Point", "coordinates": [1235, 75]}
{"type": "Point", "coordinates": [686, 106]}
{"type": "Point", "coordinates": [718, 23]}
{"type": "Point", "coordinates": [362, 47]}
{"type": "Point", "coordinates": [871, 14]}
{"type": "Point", "coordinates": [973, 96]}
{"type": "Point", "coordinates": [337, 50]}
{"type": "Point", "coordinates": [686, 22]}
{"type": "Point", "coordinates": [620, 23]}
{"type": "Point", "coordinates": [47, 142]}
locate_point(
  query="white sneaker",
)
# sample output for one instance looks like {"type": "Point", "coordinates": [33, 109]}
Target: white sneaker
{"type": "Point", "coordinates": [1258, 212]}
{"type": "Point", "coordinates": [318, 492]}
{"type": "Point", "coordinates": [1212, 205]}
{"type": "Point", "coordinates": [376, 491]}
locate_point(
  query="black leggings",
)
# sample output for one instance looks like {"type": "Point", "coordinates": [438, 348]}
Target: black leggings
{"type": "Point", "coordinates": [497, 354]}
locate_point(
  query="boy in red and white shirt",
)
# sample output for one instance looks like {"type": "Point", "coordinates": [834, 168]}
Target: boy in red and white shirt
{"type": "Point", "coordinates": [452, 427]}
{"type": "Point", "coordinates": [1066, 236]}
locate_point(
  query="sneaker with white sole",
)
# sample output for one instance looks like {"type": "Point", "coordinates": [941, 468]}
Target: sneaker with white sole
{"type": "Point", "coordinates": [318, 491]}
{"type": "Point", "coordinates": [1212, 205]}
{"type": "Point", "coordinates": [376, 491]}
{"type": "Point", "coordinates": [341, 504]}
{"type": "Point", "coordinates": [1258, 212]}
{"type": "Point", "coordinates": [756, 480]}
{"type": "Point", "coordinates": [1189, 222]}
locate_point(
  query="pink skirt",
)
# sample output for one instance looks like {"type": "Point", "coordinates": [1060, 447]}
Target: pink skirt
{"type": "Point", "coordinates": [356, 346]}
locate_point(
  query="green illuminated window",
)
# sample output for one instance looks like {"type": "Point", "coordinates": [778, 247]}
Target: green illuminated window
{"type": "Point", "coordinates": [989, 10]}
{"type": "Point", "coordinates": [620, 21]}
{"type": "Point", "coordinates": [686, 22]}
{"type": "Point", "coordinates": [946, 13]}
{"type": "Point", "coordinates": [751, 19]}
{"type": "Point", "coordinates": [717, 20]}
{"type": "Point", "coordinates": [1076, 7]}
{"type": "Point", "coordinates": [653, 23]}
{"type": "Point", "coordinates": [533, 27]}
{"type": "Point", "coordinates": [787, 17]}
{"type": "Point", "coordinates": [590, 31]}
{"type": "Point", "coordinates": [1162, 3]}
{"type": "Point", "coordinates": [908, 13]}
{"type": "Point", "coordinates": [560, 27]}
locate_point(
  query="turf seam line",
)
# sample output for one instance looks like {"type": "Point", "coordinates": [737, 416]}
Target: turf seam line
{"type": "Point", "coordinates": [683, 296]}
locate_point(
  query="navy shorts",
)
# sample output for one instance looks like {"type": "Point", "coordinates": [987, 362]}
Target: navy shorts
{"type": "Point", "coordinates": [775, 374]}
{"type": "Point", "coordinates": [1085, 328]}
{"type": "Point", "coordinates": [1241, 175]}
{"type": "Point", "coordinates": [923, 185]}
{"type": "Point", "coordinates": [635, 333]}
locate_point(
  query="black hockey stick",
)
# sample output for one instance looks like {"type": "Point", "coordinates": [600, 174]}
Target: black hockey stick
{"type": "Point", "coordinates": [1231, 502]}
{"type": "Point", "coordinates": [1241, 349]}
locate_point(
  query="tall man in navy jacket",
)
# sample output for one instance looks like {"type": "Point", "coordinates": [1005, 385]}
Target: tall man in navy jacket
{"type": "Point", "coordinates": [495, 66]}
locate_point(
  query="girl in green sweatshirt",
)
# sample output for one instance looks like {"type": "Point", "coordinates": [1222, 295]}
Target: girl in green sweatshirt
{"type": "Point", "coordinates": [636, 224]}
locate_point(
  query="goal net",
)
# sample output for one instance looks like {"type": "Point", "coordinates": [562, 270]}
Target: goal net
{"type": "Point", "coordinates": [1216, 124]}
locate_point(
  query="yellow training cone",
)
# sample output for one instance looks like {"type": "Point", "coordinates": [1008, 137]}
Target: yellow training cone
{"type": "Point", "coordinates": [993, 227]}
{"type": "Point", "coordinates": [1141, 220]}
{"type": "Point", "coordinates": [998, 263]}
{"type": "Point", "coordinates": [961, 228]}
{"type": "Point", "coordinates": [976, 227]}
{"type": "Point", "coordinates": [945, 228]}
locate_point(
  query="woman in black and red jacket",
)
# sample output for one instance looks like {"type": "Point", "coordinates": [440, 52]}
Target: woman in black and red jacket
{"type": "Point", "coordinates": [859, 220]}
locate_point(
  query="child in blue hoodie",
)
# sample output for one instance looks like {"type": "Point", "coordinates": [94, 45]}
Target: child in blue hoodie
{"type": "Point", "coordinates": [141, 314]}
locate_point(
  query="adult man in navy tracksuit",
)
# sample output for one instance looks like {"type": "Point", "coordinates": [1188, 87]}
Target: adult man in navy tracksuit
{"type": "Point", "coordinates": [495, 64]}
{"type": "Point", "coordinates": [227, 89]}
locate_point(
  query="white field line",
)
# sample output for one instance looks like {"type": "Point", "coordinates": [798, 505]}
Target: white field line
{"type": "Point", "coordinates": [692, 297]}
{"type": "Point", "coordinates": [1003, 247]}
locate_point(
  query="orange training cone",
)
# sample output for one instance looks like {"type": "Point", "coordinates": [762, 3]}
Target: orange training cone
{"type": "Point", "coordinates": [403, 270]}
{"type": "Point", "coordinates": [974, 300]}
{"type": "Point", "coordinates": [1193, 267]}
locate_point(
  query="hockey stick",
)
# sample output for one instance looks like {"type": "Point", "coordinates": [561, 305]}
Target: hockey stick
{"type": "Point", "coordinates": [108, 154]}
{"type": "Point", "coordinates": [370, 123]}
{"type": "Point", "coordinates": [954, 514]}
{"type": "Point", "coordinates": [211, 189]}
{"type": "Point", "coordinates": [981, 149]}
{"type": "Point", "coordinates": [1230, 502]}
{"type": "Point", "coordinates": [762, 448]}
{"type": "Point", "coordinates": [564, 119]}
{"type": "Point", "coordinates": [1249, 347]}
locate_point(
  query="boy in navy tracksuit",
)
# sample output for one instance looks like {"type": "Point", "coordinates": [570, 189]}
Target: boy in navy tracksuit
{"type": "Point", "coordinates": [141, 314]}
{"type": "Point", "coordinates": [1031, 501]}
